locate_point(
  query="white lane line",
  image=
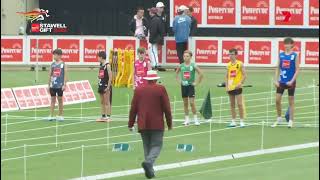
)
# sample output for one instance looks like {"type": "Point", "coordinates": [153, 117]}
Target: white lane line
{"type": "Point", "coordinates": [241, 166]}
{"type": "Point", "coordinates": [200, 161]}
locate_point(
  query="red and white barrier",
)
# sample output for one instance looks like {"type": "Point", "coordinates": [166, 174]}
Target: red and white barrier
{"type": "Point", "coordinates": [8, 101]}
{"type": "Point", "coordinates": [29, 97]}
{"type": "Point", "coordinates": [252, 13]}
{"type": "Point", "coordinates": [208, 51]}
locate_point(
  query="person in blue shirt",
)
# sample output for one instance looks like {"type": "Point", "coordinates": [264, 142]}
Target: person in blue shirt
{"type": "Point", "coordinates": [181, 28]}
{"type": "Point", "coordinates": [286, 74]}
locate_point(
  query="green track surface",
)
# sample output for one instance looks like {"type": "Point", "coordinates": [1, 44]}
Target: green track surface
{"type": "Point", "coordinates": [301, 164]}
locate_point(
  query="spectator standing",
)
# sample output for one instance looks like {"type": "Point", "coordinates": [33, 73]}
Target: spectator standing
{"type": "Point", "coordinates": [139, 24]}
{"type": "Point", "coordinates": [194, 22]}
{"type": "Point", "coordinates": [181, 29]}
{"type": "Point", "coordinates": [160, 13]}
{"type": "Point", "coordinates": [156, 32]}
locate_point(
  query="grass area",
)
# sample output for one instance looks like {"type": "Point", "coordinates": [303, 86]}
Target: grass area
{"type": "Point", "coordinates": [73, 133]}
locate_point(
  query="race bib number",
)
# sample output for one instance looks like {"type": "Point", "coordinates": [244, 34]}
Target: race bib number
{"type": "Point", "coordinates": [233, 73]}
{"type": "Point", "coordinates": [101, 73]}
{"type": "Point", "coordinates": [56, 72]}
{"type": "Point", "coordinates": [186, 75]}
{"type": "Point", "coordinates": [286, 64]}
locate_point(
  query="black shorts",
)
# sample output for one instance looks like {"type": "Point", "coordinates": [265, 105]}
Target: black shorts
{"type": "Point", "coordinates": [101, 90]}
{"type": "Point", "coordinates": [235, 92]}
{"type": "Point", "coordinates": [187, 91]}
{"type": "Point", "coordinates": [282, 87]}
{"type": "Point", "coordinates": [55, 91]}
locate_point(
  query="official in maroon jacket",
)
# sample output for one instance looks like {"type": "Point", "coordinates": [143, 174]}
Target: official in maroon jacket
{"type": "Point", "coordinates": [149, 104]}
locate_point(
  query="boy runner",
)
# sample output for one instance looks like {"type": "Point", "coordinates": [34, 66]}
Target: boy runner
{"type": "Point", "coordinates": [235, 77]}
{"type": "Point", "coordinates": [141, 66]}
{"type": "Point", "coordinates": [104, 87]}
{"type": "Point", "coordinates": [286, 74]}
{"type": "Point", "coordinates": [186, 76]}
{"type": "Point", "coordinates": [57, 83]}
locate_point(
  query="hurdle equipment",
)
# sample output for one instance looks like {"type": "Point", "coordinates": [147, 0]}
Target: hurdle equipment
{"type": "Point", "coordinates": [121, 147]}
{"type": "Point", "coordinates": [185, 148]}
{"type": "Point", "coordinates": [122, 66]}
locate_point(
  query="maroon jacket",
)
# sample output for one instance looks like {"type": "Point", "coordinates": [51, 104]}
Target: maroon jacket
{"type": "Point", "coordinates": [150, 103]}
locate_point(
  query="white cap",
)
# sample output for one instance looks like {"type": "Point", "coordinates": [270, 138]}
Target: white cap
{"type": "Point", "coordinates": [182, 8]}
{"type": "Point", "coordinates": [160, 4]}
{"type": "Point", "coordinates": [151, 75]}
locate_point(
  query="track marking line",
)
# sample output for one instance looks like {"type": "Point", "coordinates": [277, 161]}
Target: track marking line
{"type": "Point", "coordinates": [200, 161]}
{"type": "Point", "coordinates": [240, 166]}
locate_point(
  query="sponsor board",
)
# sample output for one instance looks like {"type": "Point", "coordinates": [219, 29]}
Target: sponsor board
{"type": "Point", "coordinates": [91, 47]}
{"type": "Point", "coordinates": [259, 52]}
{"type": "Point", "coordinates": [312, 53]}
{"type": "Point", "coordinates": [70, 49]}
{"type": "Point", "coordinates": [42, 48]}
{"type": "Point", "coordinates": [296, 9]}
{"type": "Point", "coordinates": [206, 51]}
{"type": "Point", "coordinates": [221, 12]}
{"type": "Point", "coordinates": [229, 44]}
{"type": "Point", "coordinates": [12, 50]}
{"type": "Point", "coordinates": [255, 12]}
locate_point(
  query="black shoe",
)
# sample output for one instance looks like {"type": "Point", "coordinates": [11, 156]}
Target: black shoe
{"type": "Point", "coordinates": [148, 170]}
{"type": "Point", "coordinates": [161, 68]}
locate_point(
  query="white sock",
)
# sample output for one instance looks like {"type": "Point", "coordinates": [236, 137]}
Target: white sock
{"type": "Point", "coordinates": [279, 119]}
{"type": "Point", "coordinates": [241, 120]}
{"type": "Point", "coordinates": [195, 117]}
{"type": "Point", "coordinates": [233, 121]}
{"type": "Point", "coordinates": [187, 118]}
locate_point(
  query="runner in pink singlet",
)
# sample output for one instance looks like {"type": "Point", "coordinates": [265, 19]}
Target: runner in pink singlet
{"type": "Point", "coordinates": [141, 66]}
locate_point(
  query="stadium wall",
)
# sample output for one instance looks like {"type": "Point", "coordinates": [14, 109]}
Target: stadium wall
{"type": "Point", "coordinates": [208, 51]}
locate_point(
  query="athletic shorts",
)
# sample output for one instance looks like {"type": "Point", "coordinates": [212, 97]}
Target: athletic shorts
{"type": "Point", "coordinates": [56, 91]}
{"type": "Point", "coordinates": [235, 92]}
{"type": "Point", "coordinates": [101, 91]}
{"type": "Point", "coordinates": [282, 87]}
{"type": "Point", "coordinates": [187, 91]}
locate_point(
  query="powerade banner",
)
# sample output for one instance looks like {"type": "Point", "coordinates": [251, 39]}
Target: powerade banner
{"type": "Point", "coordinates": [207, 51]}
{"type": "Point", "coordinates": [252, 13]}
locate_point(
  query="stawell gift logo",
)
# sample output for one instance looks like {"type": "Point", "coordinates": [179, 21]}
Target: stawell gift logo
{"type": "Point", "coordinates": [38, 15]}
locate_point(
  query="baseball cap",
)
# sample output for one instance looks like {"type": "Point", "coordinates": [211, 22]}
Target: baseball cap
{"type": "Point", "coordinates": [57, 51]}
{"type": "Point", "coordinates": [182, 8]}
{"type": "Point", "coordinates": [153, 10]}
{"type": "Point", "coordinates": [160, 4]}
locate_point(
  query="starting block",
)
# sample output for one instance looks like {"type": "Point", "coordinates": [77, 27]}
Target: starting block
{"type": "Point", "coordinates": [121, 147]}
{"type": "Point", "coordinates": [185, 147]}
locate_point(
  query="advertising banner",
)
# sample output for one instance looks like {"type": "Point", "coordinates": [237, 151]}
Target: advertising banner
{"type": "Point", "coordinates": [70, 49]}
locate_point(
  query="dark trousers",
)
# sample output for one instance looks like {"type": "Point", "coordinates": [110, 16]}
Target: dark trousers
{"type": "Point", "coordinates": [152, 144]}
{"type": "Point", "coordinates": [181, 47]}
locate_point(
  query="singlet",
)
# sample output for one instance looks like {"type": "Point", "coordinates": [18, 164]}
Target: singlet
{"type": "Point", "coordinates": [57, 75]}
{"type": "Point", "coordinates": [287, 66]}
{"type": "Point", "coordinates": [140, 71]}
{"type": "Point", "coordinates": [103, 75]}
{"type": "Point", "coordinates": [187, 73]}
{"type": "Point", "coordinates": [234, 74]}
